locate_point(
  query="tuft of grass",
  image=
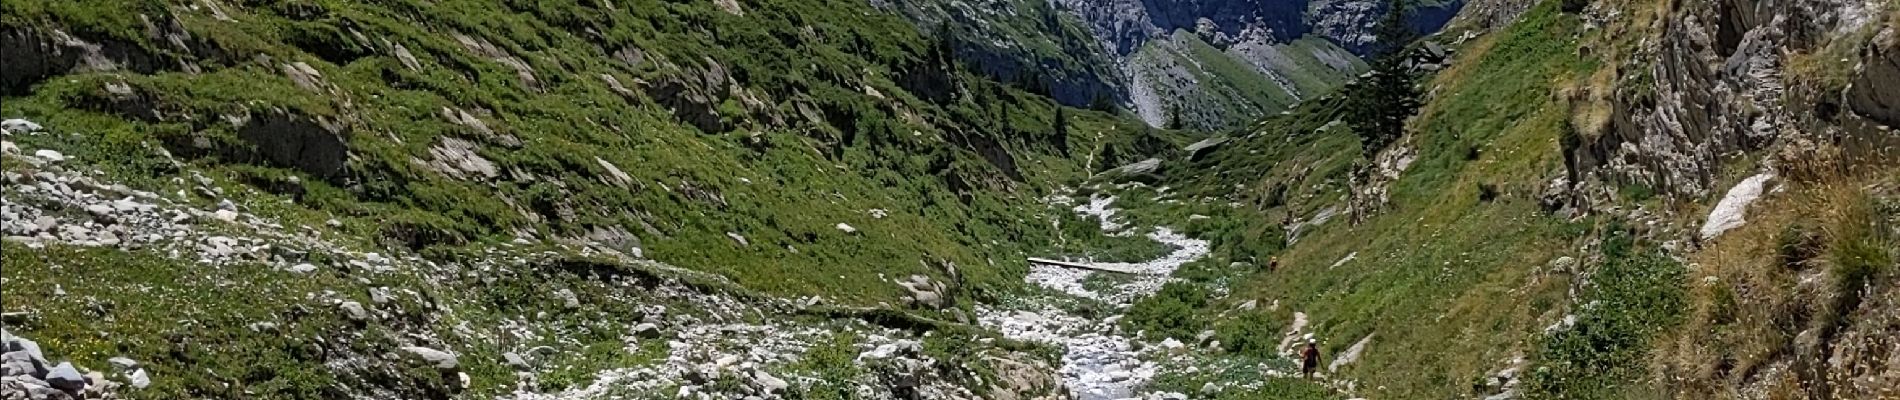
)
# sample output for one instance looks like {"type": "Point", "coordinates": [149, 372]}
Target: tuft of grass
{"type": "Point", "coordinates": [1170, 312]}
{"type": "Point", "coordinates": [1635, 295]}
{"type": "Point", "coordinates": [835, 364]}
{"type": "Point", "coordinates": [1253, 333]}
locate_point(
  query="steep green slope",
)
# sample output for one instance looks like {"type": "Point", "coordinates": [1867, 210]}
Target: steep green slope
{"type": "Point", "coordinates": [1448, 259]}
{"type": "Point", "coordinates": [756, 124]}
{"type": "Point", "coordinates": [1027, 43]}
{"type": "Point", "coordinates": [522, 178]}
{"type": "Point", "coordinates": [1440, 268]}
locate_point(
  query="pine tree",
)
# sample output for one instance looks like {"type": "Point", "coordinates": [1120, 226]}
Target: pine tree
{"type": "Point", "coordinates": [1062, 121]}
{"type": "Point", "coordinates": [1062, 130]}
{"type": "Point", "coordinates": [1378, 104]}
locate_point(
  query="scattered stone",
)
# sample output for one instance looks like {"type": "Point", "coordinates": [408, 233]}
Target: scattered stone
{"type": "Point", "coordinates": [225, 215]}
{"type": "Point", "coordinates": [28, 346]}
{"type": "Point", "coordinates": [19, 363]}
{"type": "Point", "coordinates": [768, 383]}
{"type": "Point", "coordinates": [50, 155]}
{"type": "Point", "coordinates": [1174, 347]}
{"type": "Point", "coordinates": [303, 268]}
{"type": "Point", "coordinates": [139, 378]}
{"type": "Point", "coordinates": [568, 299]}
{"type": "Point", "coordinates": [1350, 355]}
{"type": "Point", "coordinates": [439, 359]}
{"type": "Point", "coordinates": [354, 310]}
{"type": "Point", "coordinates": [16, 125]}
{"type": "Point", "coordinates": [65, 377]}
{"type": "Point", "coordinates": [1729, 213]}
{"type": "Point", "coordinates": [515, 361]}
{"type": "Point", "coordinates": [616, 176]}
{"type": "Point", "coordinates": [647, 331]}
{"type": "Point", "coordinates": [847, 228]}
{"type": "Point", "coordinates": [924, 292]}
{"type": "Point", "coordinates": [1201, 149]}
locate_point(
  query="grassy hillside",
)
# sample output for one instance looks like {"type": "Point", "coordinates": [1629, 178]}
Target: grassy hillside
{"type": "Point", "coordinates": [794, 144]}
{"type": "Point", "coordinates": [483, 161]}
{"type": "Point", "coordinates": [1463, 274]}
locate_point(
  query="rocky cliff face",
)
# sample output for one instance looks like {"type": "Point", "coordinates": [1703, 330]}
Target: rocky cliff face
{"type": "Point", "coordinates": [1212, 63]}
{"type": "Point", "coordinates": [1725, 78]}
{"type": "Point", "coordinates": [1798, 97]}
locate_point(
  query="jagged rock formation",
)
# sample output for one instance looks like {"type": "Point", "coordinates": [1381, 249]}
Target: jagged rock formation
{"type": "Point", "coordinates": [1719, 80]}
{"type": "Point", "coordinates": [1214, 63]}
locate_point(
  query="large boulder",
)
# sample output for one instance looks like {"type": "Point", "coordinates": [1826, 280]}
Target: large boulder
{"type": "Point", "coordinates": [437, 358]}
{"type": "Point", "coordinates": [313, 145]}
{"type": "Point", "coordinates": [1143, 171]}
{"type": "Point", "coordinates": [33, 55]}
{"type": "Point", "coordinates": [693, 94]}
{"type": "Point", "coordinates": [925, 293]}
{"type": "Point", "coordinates": [1200, 150]}
{"type": "Point", "coordinates": [1875, 94]}
{"type": "Point", "coordinates": [65, 377]}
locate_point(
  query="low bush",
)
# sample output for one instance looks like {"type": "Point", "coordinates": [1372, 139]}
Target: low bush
{"type": "Point", "coordinates": [1170, 313]}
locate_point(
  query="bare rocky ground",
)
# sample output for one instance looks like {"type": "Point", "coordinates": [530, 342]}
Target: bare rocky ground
{"type": "Point", "coordinates": [1100, 362]}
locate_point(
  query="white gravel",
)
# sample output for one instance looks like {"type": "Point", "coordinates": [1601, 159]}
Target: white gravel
{"type": "Point", "coordinates": [1099, 363]}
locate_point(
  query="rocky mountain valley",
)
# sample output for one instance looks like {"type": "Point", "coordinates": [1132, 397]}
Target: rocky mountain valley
{"type": "Point", "coordinates": [926, 199]}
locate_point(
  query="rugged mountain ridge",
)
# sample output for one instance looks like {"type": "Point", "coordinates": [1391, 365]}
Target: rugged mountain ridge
{"type": "Point", "coordinates": [803, 199]}
{"type": "Point", "coordinates": [1172, 52]}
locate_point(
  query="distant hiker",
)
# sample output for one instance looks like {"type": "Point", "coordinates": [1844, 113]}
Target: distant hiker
{"type": "Point", "coordinates": [1309, 358]}
{"type": "Point", "coordinates": [1273, 264]}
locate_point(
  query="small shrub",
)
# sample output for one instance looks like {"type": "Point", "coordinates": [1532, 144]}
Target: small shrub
{"type": "Point", "coordinates": [1487, 192]}
{"type": "Point", "coordinates": [1798, 243]}
{"type": "Point", "coordinates": [1638, 193]}
{"type": "Point", "coordinates": [1253, 333]}
{"type": "Point", "coordinates": [1170, 313]}
{"type": "Point", "coordinates": [1638, 294]}
{"type": "Point", "coordinates": [835, 364]}
{"type": "Point", "coordinates": [1858, 264]}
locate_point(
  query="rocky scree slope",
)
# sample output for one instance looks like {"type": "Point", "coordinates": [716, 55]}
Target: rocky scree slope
{"type": "Point", "coordinates": [618, 127]}
{"type": "Point", "coordinates": [191, 297]}
{"type": "Point", "coordinates": [400, 199]}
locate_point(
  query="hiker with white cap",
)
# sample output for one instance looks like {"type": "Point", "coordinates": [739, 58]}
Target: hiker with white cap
{"type": "Point", "coordinates": [1309, 358]}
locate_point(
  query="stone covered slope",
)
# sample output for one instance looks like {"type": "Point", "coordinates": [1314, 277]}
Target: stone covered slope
{"type": "Point", "coordinates": [99, 272]}
{"type": "Point", "coordinates": [304, 196]}
{"type": "Point", "coordinates": [668, 131]}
